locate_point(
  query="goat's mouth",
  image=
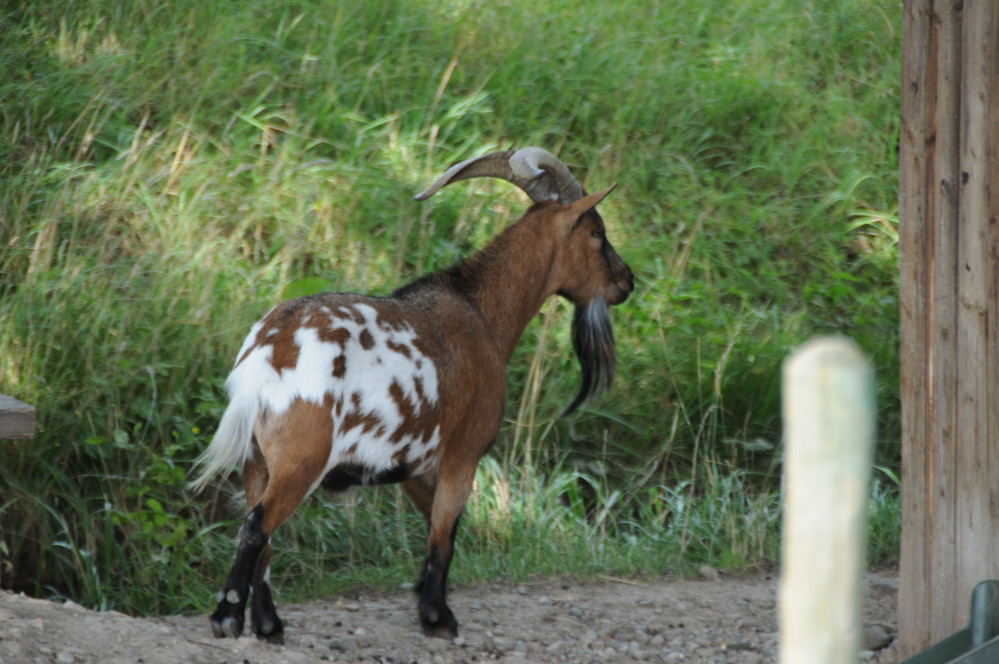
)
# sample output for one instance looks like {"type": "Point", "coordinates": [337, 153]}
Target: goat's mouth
{"type": "Point", "coordinates": [623, 287]}
{"type": "Point", "coordinates": [593, 341]}
{"type": "Point", "coordinates": [620, 293]}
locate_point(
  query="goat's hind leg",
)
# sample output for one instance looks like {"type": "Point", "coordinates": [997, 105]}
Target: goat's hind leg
{"type": "Point", "coordinates": [282, 489]}
{"type": "Point", "coordinates": [228, 617]}
{"type": "Point", "coordinates": [264, 619]}
{"type": "Point", "coordinates": [251, 567]}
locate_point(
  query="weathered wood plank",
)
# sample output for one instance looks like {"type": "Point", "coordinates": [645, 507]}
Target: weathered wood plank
{"type": "Point", "coordinates": [17, 419]}
{"type": "Point", "coordinates": [942, 349]}
{"type": "Point", "coordinates": [974, 530]}
{"type": "Point", "coordinates": [916, 200]}
{"type": "Point", "coordinates": [949, 297]}
{"type": "Point", "coordinates": [991, 184]}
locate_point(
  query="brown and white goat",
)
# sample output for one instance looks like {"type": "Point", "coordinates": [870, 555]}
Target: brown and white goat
{"type": "Point", "coordinates": [339, 390]}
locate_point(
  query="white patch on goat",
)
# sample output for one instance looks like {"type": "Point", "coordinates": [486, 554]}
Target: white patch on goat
{"type": "Point", "coordinates": [251, 338]}
{"type": "Point", "coordinates": [376, 356]}
{"type": "Point", "coordinates": [364, 391]}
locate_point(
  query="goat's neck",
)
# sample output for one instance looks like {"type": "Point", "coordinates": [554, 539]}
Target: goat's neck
{"type": "Point", "coordinates": [513, 280]}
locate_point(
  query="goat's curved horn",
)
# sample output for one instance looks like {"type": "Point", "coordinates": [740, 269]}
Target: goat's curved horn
{"type": "Point", "coordinates": [538, 172]}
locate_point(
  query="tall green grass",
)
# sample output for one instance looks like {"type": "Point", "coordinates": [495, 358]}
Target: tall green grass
{"type": "Point", "coordinates": [168, 171]}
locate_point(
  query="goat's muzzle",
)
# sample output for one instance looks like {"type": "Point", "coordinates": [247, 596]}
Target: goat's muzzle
{"type": "Point", "coordinates": [622, 279]}
{"type": "Point", "coordinates": [624, 285]}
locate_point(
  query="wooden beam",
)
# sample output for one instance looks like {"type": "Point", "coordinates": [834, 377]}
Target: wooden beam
{"type": "Point", "coordinates": [916, 199]}
{"type": "Point", "coordinates": [949, 303]}
{"type": "Point", "coordinates": [17, 419]}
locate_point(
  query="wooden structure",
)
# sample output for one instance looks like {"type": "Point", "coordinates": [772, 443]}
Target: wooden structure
{"type": "Point", "coordinates": [949, 262]}
{"type": "Point", "coordinates": [17, 419]}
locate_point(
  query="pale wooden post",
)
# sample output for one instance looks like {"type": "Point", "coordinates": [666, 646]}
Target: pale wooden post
{"type": "Point", "coordinates": [828, 407]}
{"type": "Point", "coordinates": [949, 301]}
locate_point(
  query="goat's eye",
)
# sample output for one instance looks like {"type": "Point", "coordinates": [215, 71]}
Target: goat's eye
{"type": "Point", "coordinates": [599, 234]}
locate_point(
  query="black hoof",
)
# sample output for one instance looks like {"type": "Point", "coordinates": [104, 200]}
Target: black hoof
{"type": "Point", "coordinates": [270, 630]}
{"type": "Point", "coordinates": [263, 618]}
{"type": "Point", "coordinates": [227, 621]}
{"type": "Point", "coordinates": [227, 627]}
{"type": "Point", "coordinates": [275, 639]}
{"type": "Point", "coordinates": [439, 623]}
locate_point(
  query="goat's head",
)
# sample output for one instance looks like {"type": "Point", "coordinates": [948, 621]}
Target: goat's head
{"type": "Point", "coordinates": [587, 271]}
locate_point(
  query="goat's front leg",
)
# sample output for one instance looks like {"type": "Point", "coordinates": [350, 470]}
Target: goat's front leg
{"type": "Point", "coordinates": [449, 500]}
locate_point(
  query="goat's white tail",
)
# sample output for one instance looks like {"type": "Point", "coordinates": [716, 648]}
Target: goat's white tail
{"type": "Point", "coordinates": [233, 442]}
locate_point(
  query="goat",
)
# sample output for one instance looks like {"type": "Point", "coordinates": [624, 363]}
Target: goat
{"type": "Point", "coordinates": [341, 390]}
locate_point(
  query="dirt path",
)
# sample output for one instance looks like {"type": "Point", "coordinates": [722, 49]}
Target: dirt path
{"type": "Point", "coordinates": [717, 620]}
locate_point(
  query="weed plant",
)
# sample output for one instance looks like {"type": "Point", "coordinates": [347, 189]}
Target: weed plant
{"type": "Point", "coordinates": [168, 171]}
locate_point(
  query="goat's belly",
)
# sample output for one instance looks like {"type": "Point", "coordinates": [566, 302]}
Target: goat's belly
{"type": "Point", "coordinates": [379, 455]}
{"type": "Point", "coordinates": [347, 475]}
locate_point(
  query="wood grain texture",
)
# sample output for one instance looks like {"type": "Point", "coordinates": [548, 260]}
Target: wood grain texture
{"type": "Point", "coordinates": [917, 96]}
{"type": "Point", "coordinates": [949, 301]}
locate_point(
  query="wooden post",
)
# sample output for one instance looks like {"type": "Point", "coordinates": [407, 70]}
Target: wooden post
{"type": "Point", "coordinates": [828, 406]}
{"type": "Point", "coordinates": [949, 301]}
{"type": "Point", "coordinates": [17, 419]}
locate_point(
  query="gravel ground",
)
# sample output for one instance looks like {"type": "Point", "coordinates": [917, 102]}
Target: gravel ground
{"type": "Point", "coordinates": [715, 618]}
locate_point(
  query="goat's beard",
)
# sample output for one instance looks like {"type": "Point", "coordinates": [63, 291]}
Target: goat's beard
{"type": "Point", "coordinates": [593, 341]}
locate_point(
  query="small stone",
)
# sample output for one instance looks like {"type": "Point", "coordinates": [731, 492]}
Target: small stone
{"type": "Point", "coordinates": [709, 572]}
{"type": "Point", "coordinates": [589, 636]}
{"type": "Point", "coordinates": [362, 638]}
{"type": "Point", "coordinates": [544, 601]}
{"type": "Point", "coordinates": [876, 637]}
{"type": "Point", "coordinates": [65, 657]}
{"type": "Point", "coordinates": [344, 644]}
{"type": "Point", "coordinates": [401, 619]}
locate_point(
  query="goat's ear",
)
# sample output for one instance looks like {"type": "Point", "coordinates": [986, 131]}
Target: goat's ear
{"type": "Point", "coordinates": [585, 204]}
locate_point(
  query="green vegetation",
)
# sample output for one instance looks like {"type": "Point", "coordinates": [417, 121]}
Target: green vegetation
{"type": "Point", "coordinates": [168, 171]}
